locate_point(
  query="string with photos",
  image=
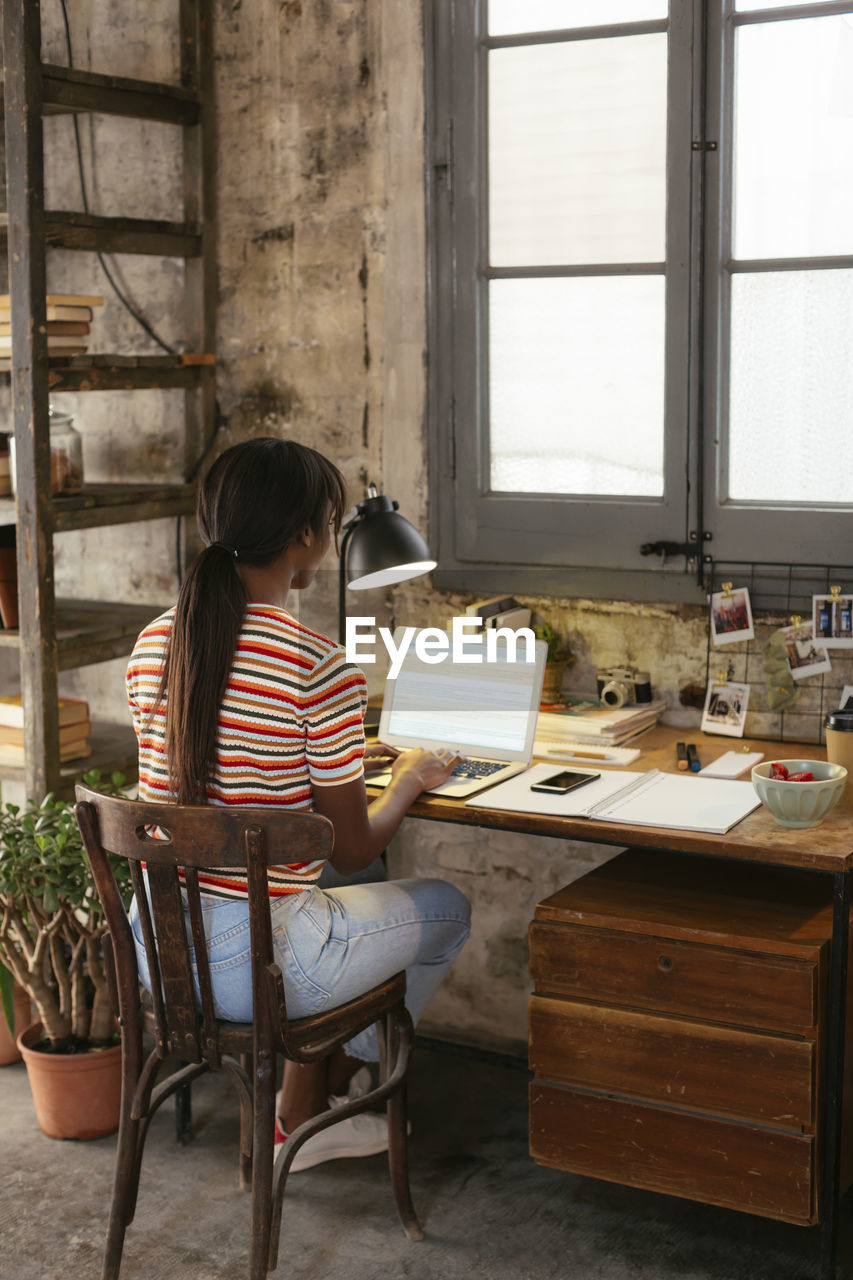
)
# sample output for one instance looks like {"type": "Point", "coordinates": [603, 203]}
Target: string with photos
{"type": "Point", "coordinates": [781, 595]}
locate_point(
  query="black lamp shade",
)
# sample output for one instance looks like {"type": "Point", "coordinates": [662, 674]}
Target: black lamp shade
{"type": "Point", "coordinates": [384, 547]}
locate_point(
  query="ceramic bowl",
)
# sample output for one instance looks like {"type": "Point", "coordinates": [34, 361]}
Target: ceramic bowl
{"type": "Point", "coordinates": [799, 804]}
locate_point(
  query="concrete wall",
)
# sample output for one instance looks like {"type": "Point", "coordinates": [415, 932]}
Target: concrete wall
{"type": "Point", "coordinates": [322, 301]}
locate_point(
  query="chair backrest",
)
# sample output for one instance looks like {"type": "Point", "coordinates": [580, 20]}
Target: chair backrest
{"type": "Point", "coordinates": [194, 838]}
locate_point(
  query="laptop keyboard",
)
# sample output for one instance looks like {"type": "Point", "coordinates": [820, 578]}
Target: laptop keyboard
{"type": "Point", "coordinates": [477, 768]}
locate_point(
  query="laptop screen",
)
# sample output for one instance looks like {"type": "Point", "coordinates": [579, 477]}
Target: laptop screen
{"type": "Point", "coordinates": [490, 707]}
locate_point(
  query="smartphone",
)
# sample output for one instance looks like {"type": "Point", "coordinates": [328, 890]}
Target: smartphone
{"type": "Point", "coordinates": [559, 783]}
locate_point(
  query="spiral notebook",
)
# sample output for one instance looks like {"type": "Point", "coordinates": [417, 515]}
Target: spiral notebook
{"type": "Point", "coordinates": [653, 799]}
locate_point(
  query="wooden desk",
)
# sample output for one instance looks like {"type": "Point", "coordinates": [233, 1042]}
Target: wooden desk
{"type": "Point", "coordinates": [757, 838]}
{"type": "Point", "coordinates": [826, 851]}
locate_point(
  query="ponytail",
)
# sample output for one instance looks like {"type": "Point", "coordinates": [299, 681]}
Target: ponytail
{"type": "Point", "coordinates": [255, 500]}
{"type": "Point", "coordinates": [211, 605]}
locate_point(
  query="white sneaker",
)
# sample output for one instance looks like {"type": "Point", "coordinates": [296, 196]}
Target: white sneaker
{"type": "Point", "coordinates": [360, 1084]}
{"type": "Point", "coordinates": [361, 1135]}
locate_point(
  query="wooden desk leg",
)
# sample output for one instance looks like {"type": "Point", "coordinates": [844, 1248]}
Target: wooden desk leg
{"type": "Point", "coordinates": [834, 1078]}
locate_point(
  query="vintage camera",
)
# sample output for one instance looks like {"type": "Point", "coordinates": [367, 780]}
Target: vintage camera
{"type": "Point", "coordinates": [618, 685]}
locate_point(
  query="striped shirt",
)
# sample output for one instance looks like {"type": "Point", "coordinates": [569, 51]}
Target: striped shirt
{"type": "Point", "coordinates": [291, 720]}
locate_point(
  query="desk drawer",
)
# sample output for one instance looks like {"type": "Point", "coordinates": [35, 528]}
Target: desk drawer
{"type": "Point", "coordinates": [705, 982]}
{"type": "Point", "coordinates": [761, 1171]}
{"type": "Point", "coordinates": [698, 1066]}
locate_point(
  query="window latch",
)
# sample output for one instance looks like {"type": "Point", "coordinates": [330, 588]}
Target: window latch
{"type": "Point", "coordinates": [703, 146]}
{"type": "Point", "coordinates": [664, 548]}
{"type": "Point", "coordinates": [696, 562]}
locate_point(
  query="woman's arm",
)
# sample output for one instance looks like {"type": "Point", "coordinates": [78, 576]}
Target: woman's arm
{"type": "Point", "coordinates": [362, 831]}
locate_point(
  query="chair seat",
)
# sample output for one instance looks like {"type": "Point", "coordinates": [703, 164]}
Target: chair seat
{"type": "Point", "coordinates": [312, 1034]}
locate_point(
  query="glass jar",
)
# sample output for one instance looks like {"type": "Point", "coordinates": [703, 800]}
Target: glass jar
{"type": "Point", "coordinates": [66, 455]}
{"type": "Point", "coordinates": [5, 467]}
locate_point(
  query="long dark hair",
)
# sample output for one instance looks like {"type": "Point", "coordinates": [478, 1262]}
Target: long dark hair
{"type": "Point", "coordinates": [255, 500]}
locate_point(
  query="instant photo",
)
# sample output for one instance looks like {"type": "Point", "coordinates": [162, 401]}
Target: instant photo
{"type": "Point", "coordinates": [805, 656]}
{"type": "Point", "coordinates": [832, 620]}
{"type": "Point", "coordinates": [731, 616]}
{"type": "Point", "coordinates": [725, 709]}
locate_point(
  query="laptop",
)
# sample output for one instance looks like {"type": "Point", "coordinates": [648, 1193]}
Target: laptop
{"type": "Point", "coordinates": [485, 711]}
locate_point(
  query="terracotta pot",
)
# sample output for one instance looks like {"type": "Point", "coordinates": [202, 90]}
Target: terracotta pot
{"type": "Point", "coordinates": [23, 1017]}
{"type": "Point", "coordinates": [8, 587]}
{"type": "Point", "coordinates": [76, 1095]}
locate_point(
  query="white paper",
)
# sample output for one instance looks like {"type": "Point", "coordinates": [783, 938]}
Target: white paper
{"type": "Point", "coordinates": [515, 793]}
{"type": "Point", "coordinates": [677, 801]}
{"type": "Point", "coordinates": [732, 764]}
{"type": "Point", "coordinates": [683, 803]}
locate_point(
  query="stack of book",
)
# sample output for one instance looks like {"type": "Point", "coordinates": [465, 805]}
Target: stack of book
{"type": "Point", "coordinates": [74, 730]}
{"type": "Point", "coordinates": [500, 611]}
{"type": "Point", "coordinates": [585, 721]}
{"type": "Point", "coordinates": [69, 318]}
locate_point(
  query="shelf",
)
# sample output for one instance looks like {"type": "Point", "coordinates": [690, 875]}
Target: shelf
{"type": "Point", "coordinates": [90, 631]}
{"type": "Point", "coordinates": [75, 90]}
{"type": "Point", "coordinates": [114, 748]}
{"type": "Point", "coordinates": [61, 635]}
{"type": "Point", "coordinates": [65, 89]}
{"type": "Point", "coordinates": [106, 504]}
{"type": "Point", "coordinates": [124, 373]}
{"type": "Point", "coordinates": [66, 229]}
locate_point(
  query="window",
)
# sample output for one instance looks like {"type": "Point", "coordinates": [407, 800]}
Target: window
{"type": "Point", "coordinates": [642, 283]}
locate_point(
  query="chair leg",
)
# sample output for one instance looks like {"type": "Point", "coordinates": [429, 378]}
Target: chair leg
{"type": "Point", "coordinates": [131, 1135]}
{"type": "Point", "coordinates": [399, 1036]}
{"type": "Point", "coordinates": [245, 1133]}
{"type": "Point", "coordinates": [184, 1115]}
{"type": "Point", "coordinates": [141, 1086]}
{"type": "Point", "coordinates": [240, 1075]}
{"type": "Point", "coordinates": [262, 1162]}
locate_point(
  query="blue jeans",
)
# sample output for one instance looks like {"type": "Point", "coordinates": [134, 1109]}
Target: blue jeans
{"type": "Point", "coordinates": [333, 945]}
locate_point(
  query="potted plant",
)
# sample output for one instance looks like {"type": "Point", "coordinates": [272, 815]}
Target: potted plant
{"type": "Point", "coordinates": [559, 658]}
{"type": "Point", "coordinates": [51, 934]}
{"type": "Point", "coordinates": [15, 1015]}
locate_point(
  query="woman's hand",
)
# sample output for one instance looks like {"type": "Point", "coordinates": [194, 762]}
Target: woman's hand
{"type": "Point", "coordinates": [427, 768]}
{"type": "Point", "coordinates": [378, 756]}
{"type": "Point", "coordinates": [362, 831]}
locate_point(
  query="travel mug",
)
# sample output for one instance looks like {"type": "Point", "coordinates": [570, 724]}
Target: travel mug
{"type": "Point", "coordinates": [839, 738]}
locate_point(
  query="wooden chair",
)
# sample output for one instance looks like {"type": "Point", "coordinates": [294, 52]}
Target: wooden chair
{"type": "Point", "coordinates": [209, 837]}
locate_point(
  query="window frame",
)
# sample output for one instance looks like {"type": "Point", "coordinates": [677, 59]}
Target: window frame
{"type": "Point", "coordinates": [763, 528]}
{"type": "Point", "coordinates": [507, 542]}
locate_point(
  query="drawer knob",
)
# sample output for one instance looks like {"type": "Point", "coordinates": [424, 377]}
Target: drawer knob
{"type": "Point", "coordinates": [665, 963]}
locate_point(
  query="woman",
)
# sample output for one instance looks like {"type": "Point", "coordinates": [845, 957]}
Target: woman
{"type": "Point", "coordinates": [235, 702]}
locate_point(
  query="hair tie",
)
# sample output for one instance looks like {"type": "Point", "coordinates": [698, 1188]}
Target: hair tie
{"type": "Point", "coordinates": [232, 551]}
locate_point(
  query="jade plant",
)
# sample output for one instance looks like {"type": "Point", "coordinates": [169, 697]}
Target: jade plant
{"type": "Point", "coordinates": [51, 921]}
{"type": "Point", "coordinates": [558, 646]}
{"type": "Point", "coordinates": [7, 987]}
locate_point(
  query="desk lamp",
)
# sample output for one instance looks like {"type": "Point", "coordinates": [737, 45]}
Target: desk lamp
{"type": "Point", "coordinates": [379, 548]}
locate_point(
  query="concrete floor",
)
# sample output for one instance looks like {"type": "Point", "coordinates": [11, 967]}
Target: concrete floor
{"type": "Point", "coordinates": [489, 1212]}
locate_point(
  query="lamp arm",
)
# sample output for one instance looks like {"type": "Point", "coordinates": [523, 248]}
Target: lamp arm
{"type": "Point", "coordinates": [342, 579]}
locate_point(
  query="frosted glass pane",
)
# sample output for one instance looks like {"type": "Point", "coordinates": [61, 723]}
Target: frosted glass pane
{"type": "Point", "coordinates": [508, 17]}
{"type": "Point", "coordinates": [577, 152]}
{"type": "Point", "coordinates": [791, 399]}
{"type": "Point", "coordinates": [793, 144]}
{"type": "Point", "coordinates": [577, 384]}
{"type": "Point", "coordinates": [750, 6]}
